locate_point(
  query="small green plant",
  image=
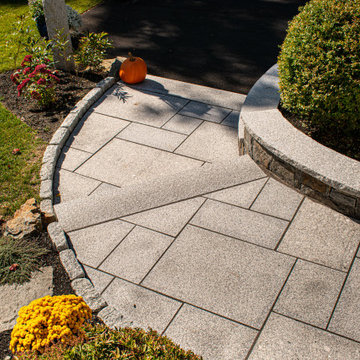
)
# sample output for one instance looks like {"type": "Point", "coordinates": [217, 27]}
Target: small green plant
{"type": "Point", "coordinates": [18, 259]}
{"type": "Point", "coordinates": [92, 50]}
{"type": "Point", "coordinates": [103, 343]}
{"type": "Point", "coordinates": [36, 9]}
{"type": "Point", "coordinates": [319, 65]}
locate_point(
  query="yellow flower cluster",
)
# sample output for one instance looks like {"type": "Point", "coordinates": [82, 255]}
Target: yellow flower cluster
{"type": "Point", "coordinates": [48, 320]}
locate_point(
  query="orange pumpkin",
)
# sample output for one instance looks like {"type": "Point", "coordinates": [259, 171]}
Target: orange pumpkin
{"type": "Point", "coordinates": [133, 70]}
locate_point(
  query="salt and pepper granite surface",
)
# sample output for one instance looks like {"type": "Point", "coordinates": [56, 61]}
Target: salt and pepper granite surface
{"type": "Point", "coordinates": [178, 232]}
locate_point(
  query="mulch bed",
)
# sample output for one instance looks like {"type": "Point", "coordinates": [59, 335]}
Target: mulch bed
{"type": "Point", "coordinates": [346, 144]}
{"type": "Point", "coordinates": [69, 90]}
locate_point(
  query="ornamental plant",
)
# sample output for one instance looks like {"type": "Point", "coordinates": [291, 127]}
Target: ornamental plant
{"type": "Point", "coordinates": [36, 81]}
{"type": "Point", "coordinates": [92, 50]}
{"type": "Point", "coordinates": [319, 65]}
{"type": "Point", "coordinates": [49, 320]}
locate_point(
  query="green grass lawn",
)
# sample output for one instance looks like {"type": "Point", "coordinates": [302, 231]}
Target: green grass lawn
{"type": "Point", "coordinates": [19, 174]}
{"type": "Point", "coordinates": [10, 10]}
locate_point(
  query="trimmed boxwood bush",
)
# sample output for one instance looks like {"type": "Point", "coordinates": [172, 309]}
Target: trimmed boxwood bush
{"type": "Point", "coordinates": [319, 65]}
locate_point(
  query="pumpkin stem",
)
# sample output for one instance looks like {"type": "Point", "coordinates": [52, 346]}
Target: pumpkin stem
{"type": "Point", "coordinates": [131, 57]}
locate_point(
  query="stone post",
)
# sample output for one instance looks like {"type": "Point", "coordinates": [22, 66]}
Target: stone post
{"type": "Point", "coordinates": [56, 19]}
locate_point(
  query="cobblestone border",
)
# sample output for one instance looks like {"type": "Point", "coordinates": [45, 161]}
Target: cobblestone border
{"type": "Point", "coordinates": [272, 142]}
{"type": "Point", "coordinates": [80, 284]}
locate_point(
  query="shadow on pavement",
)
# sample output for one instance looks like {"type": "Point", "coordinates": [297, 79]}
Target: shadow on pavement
{"type": "Point", "coordinates": [225, 44]}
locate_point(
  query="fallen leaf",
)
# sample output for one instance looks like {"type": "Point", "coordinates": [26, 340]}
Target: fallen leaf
{"type": "Point", "coordinates": [14, 267]}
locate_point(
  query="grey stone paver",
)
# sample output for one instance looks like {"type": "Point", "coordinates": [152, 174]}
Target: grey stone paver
{"type": "Point", "coordinates": [169, 219]}
{"type": "Point", "coordinates": [182, 124]}
{"type": "Point", "coordinates": [136, 254]}
{"type": "Point", "coordinates": [287, 339]}
{"type": "Point", "coordinates": [310, 293]}
{"type": "Point", "coordinates": [141, 307]}
{"type": "Point", "coordinates": [156, 192]}
{"type": "Point", "coordinates": [192, 328]}
{"type": "Point", "coordinates": [151, 136]}
{"type": "Point", "coordinates": [71, 158]}
{"type": "Point", "coordinates": [218, 273]}
{"type": "Point", "coordinates": [210, 142]}
{"type": "Point", "coordinates": [240, 223]}
{"type": "Point", "coordinates": [241, 195]}
{"type": "Point", "coordinates": [278, 200]}
{"type": "Point", "coordinates": [94, 243]}
{"type": "Point", "coordinates": [200, 93]}
{"type": "Point", "coordinates": [99, 128]}
{"type": "Point", "coordinates": [224, 266]}
{"type": "Point", "coordinates": [121, 162]}
{"type": "Point", "coordinates": [140, 106]}
{"type": "Point", "coordinates": [69, 186]}
{"type": "Point", "coordinates": [99, 279]}
{"type": "Point", "coordinates": [205, 112]}
{"type": "Point", "coordinates": [232, 119]}
{"type": "Point", "coordinates": [322, 235]}
{"type": "Point", "coordinates": [106, 190]}
{"type": "Point", "coordinates": [345, 320]}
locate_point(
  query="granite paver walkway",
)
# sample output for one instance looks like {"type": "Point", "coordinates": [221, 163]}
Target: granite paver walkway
{"type": "Point", "coordinates": [181, 234]}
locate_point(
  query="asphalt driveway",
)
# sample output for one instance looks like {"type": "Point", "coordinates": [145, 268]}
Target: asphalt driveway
{"type": "Point", "coordinates": [224, 44]}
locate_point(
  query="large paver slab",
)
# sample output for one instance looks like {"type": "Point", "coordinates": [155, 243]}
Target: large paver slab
{"type": "Point", "coordinates": [121, 162]}
{"type": "Point", "coordinates": [232, 120]}
{"type": "Point", "coordinates": [210, 142]}
{"type": "Point", "coordinates": [286, 339]}
{"type": "Point", "coordinates": [322, 235]}
{"type": "Point", "coordinates": [310, 293]}
{"type": "Point", "coordinates": [241, 195]}
{"type": "Point", "coordinates": [229, 277]}
{"type": "Point", "coordinates": [278, 200]}
{"type": "Point", "coordinates": [151, 136]}
{"type": "Point", "coordinates": [141, 106]}
{"type": "Point", "coordinates": [240, 223]}
{"type": "Point", "coordinates": [136, 254]}
{"type": "Point", "coordinates": [346, 318]}
{"type": "Point", "coordinates": [14, 297]}
{"type": "Point", "coordinates": [94, 131]}
{"type": "Point", "coordinates": [182, 124]}
{"type": "Point", "coordinates": [200, 93]}
{"type": "Point", "coordinates": [156, 192]}
{"type": "Point", "coordinates": [169, 219]}
{"type": "Point", "coordinates": [205, 112]}
{"type": "Point", "coordinates": [140, 307]}
{"type": "Point", "coordinates": [69, 186]}
{"type": "Point", "coordinates": [94, 243]}
{"type": "Point", "coordinates": [106, 190]}
{"type": "Point", "coordinates": [99, 279]}
{"type": "Point", "coordinates": [70, 159]}
{"type": "Point", "coordinates": [209, 335]}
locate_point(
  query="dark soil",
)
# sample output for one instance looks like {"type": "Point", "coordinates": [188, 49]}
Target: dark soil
{"type": "Point", "coordinates": [345, 143]}
{"type": "Point", "coordinates": [69, 91]}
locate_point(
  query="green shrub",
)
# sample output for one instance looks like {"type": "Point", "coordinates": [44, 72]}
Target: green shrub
{"type": "Point", "coordinates": [319, 65]}
{"type": "Point", "coordinates": [102, 343]}
{"type": "Point", "coordinates": [92, 50]}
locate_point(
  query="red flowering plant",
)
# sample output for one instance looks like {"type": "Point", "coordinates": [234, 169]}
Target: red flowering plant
{"type": "Point", "coordinates": [35, 80]}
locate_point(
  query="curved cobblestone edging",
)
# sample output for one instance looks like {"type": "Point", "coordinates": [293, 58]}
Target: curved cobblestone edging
{"type": "Point", "coordinates": [81, 285]}
{"type": "Point", "coordinates": [272, 142]}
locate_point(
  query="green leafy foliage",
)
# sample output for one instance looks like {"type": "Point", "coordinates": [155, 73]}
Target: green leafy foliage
{"type": "Point", "coordinates": [18, 258]}
{"type": "Point", "coordinates": [102, 343]}
{"type": "Point", "coordinates": [319, 65]}
{"type": "Point", "coordinates": [92, 50]}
